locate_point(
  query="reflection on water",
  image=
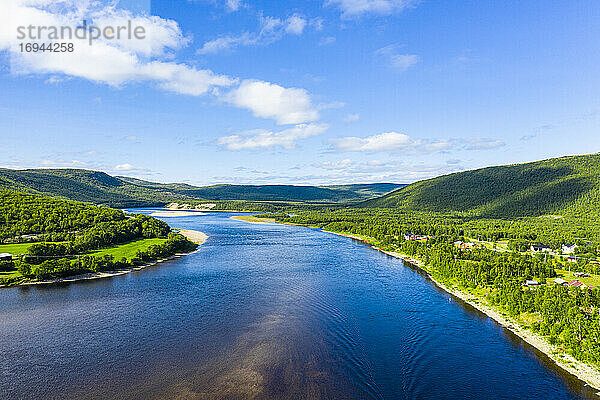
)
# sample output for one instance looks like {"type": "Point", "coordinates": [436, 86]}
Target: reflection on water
{"type": "Point", "coordinates": [264, 312]}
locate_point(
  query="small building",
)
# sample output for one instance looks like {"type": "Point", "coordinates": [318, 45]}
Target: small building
{"type": "Point", "coordinates": [568, 248]}
{"type": "Point", "coordinates": [465, 245]}
{"type": "Point", "coordinates": [531, 283]}
{"type": "Point", "coordinates": [572, 259]}
{"type": "Point", "coordinates": [6, 257]}
{"type": "Point", "coordinates": [536, 248]}
{"type": "Point", "coordinates": [560, 281]}
{"type": "Point", "coordinates": [581, 274]}
{"type": "Point", "coordinates": [577, 283]}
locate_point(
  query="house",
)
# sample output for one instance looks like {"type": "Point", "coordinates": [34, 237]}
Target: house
{"type": "Point", "coordinates": [531, 283]}
{"type": "Point", "coordinates": [568, 248]}
{"type": "Point", "coordinates": [540, 247]}
{"type": "Point", "coordinates": [577, 283]}
{"type": "Point", "coordinates": [572, 259]}
{"type": "Point", "coordinates": [465, 245]}
{"type": "Point", "coordinates": [6, 257]}
{"type": "Point", "coordinates": [581, 274]}
{"type": "Point", "coordinates": [560, 281]}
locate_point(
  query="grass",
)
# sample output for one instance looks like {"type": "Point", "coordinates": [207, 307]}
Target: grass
{"type": "Point", "coordinates": [127, 250]}
{"type": "Point", "coordinates": [16, 249]}
{"type": "Point", "coordinates": [593, 280]}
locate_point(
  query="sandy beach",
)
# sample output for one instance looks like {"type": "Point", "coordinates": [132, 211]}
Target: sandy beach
{"type": "Point", "coordinates": [254, 220]}
{"type": "Point", "coordinates": [173, 213]}
{"type": "Point", "coordinates": [581, 370]}
{"type": "Point", "coordinates": [194, 236]}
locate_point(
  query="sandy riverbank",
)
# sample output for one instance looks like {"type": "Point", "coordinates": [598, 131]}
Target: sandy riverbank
{"type": "Point", "coordinates": [254, 220]}
{"type": "Point", "coordinates": [173, 213]}
{"type": "Point", "coordinates": [194, 236]}
{"type": "Point", "coordinates": [582, 371]}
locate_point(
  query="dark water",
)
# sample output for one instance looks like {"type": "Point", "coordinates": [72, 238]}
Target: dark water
{"type": "Point", "coordinates": [268, 312]}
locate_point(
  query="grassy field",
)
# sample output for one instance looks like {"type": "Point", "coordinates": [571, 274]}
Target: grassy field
{"type": "Point", "coordinates": [128, 250]}
{"type": "Point", "coordinates": [19, 248]}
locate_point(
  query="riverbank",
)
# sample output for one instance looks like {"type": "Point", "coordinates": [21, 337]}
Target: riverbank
{"type": "Point", "coordinates": [194, 236]}
{"type": "Point", "coordinates": [174, 213]}
{"type": "Point", "coordinates": [255, 220]}
{"type": "Point", "coordinates": [585, 372]}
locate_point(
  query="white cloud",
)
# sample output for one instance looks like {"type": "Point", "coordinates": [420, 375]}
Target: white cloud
{"type": "Point", "coordinates": [354, 8]}
{"type": "Point", "coordinates": [263, 139]}
{"type": "Point", "coordinates": [383, 142]}
{"type": "Point", "coordinates": [121, 62]}
{"type": "Point", "coordinates": [268, 100]}
{"type": "Point", "coordinates": [401, 62]}
{"type": "Point", "coordinates": [233, 5]}
{"type": "Point", "coordinates": [295, 25]}
{"type": "Point", "coordinates": [112, 62]}
{"type": "Point", "coordinates": [124, 167]}
{"type": "Point", "coordinates": [271, 30]}
{"type": "Point", "coordinates": [389, 141]}
{"type": "Point", "coordinates": [351, 118]}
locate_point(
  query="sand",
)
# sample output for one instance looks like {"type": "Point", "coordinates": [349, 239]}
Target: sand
{"type": "Point", "coordinates": [194, 236]}
{"type": "Point", "coordinates": [171, 213]}
{"type": "Point", "coordinates": [254, 220]}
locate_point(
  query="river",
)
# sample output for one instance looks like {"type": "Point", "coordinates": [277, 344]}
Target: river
{"type": "Point", "coordinates": [265, 312]}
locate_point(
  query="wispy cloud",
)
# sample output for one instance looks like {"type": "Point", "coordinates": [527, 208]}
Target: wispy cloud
{"type": "Point", "coordinates": [263, 139]}
{"type": "Point", "coordinates": [233, 5]}
{"type": "Point", "coordinates": [327, 41]}
{"type": "Point", "coordinates": [400, 62]}
{"type": "Point", "coordinates": [335, 165]}
{"type": "Point", "coordinates": [389, 141]}
{"type": "Point", "coordinates": [483, 144]}
{"type": "Point", "coordinates": [351, 118]}
{"type": "Point", "coordinates": [271, 30]}
{"type": "Point", "coordinates": [356, 8]}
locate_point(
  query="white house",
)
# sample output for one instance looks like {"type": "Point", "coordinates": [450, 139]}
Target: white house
{"type": "Point", "coordinates": [6, 257]}
{"type": "Point", "coordinates": [540, 247]}
{"type": "Point", "coordinates": [560, 281]}
{"type": "Point", "coordinates": [568, 248]}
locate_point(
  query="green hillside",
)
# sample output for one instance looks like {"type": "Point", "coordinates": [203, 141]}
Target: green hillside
{"type": "Point", "coordinates": [568, 186]}
{"type": "Point", "coordinates": [101, 188]}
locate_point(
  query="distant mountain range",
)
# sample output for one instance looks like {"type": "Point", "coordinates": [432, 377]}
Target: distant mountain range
{"type": "Point", "coordinates": [118, 191]}
{"type": "Point", "coordinates": [566, 186]}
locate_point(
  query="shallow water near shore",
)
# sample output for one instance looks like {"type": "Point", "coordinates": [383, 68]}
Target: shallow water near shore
{"type": "Point", "coordinates": [265, 312]}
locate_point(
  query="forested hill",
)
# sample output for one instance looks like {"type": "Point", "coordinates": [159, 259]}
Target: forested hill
{"type": "Point", "coordinates": [566, 186]}
{"type": "Point", "coordinates": [101, 188]}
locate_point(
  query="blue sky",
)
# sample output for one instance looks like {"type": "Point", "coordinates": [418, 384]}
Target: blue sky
{"type": "Point", "coordinates": [303, 92]}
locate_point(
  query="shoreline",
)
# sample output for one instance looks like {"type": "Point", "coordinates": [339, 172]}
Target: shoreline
{"type": "Point", "coordinates": [254, 220]}
{"type": "Point", "coordinates": [194, 236]}
{"type": "Point", "coordinates": [580, 370]}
